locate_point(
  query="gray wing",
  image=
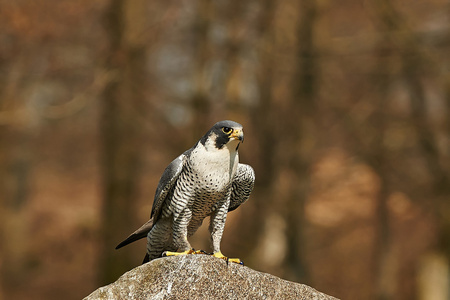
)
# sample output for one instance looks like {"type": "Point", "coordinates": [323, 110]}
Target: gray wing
{"type": "Point", "coordinates": [166, 183]}
{"type": "Point", "coordinates": [242, 185]}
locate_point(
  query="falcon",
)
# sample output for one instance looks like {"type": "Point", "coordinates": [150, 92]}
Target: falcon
{"type": "Point", "coordinates": [205, 181]}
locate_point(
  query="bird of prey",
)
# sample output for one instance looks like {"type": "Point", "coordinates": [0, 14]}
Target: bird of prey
{"type": "Point", "coordinates": [205, 181]}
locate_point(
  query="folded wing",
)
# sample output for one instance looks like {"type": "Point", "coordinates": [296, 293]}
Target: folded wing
{"type": "Point", "coordinates": [166, 183]}
{"type": "Point", "coordinates": [242, 186]}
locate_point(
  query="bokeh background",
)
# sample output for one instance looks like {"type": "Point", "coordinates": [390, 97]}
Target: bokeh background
{"type": "Point", "coordinates": [345, 106]}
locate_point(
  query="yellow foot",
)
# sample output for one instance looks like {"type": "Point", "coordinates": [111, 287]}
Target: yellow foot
{"type": "Point", "coordinates": [190, 251]}
{"type": "Point", "coordinates": [235, 260]}
{"type": "Point", "coordinates": [199, 252]}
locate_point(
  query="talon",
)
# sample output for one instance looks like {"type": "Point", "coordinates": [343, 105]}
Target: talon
{"type": "Point", "coordinates": [234, 260]}
{"type": "Point", "coordinates": [169, 253]}
{"type": "Point", "coordinates": [191, 251]}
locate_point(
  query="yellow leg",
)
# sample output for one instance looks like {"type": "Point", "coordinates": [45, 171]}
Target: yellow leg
{"type": "Point", "coordinates": [169, 253]}
{"type": "Point", "coordinates": [190, 251]}
{"type": "Point", "coordinates": [235, 260]}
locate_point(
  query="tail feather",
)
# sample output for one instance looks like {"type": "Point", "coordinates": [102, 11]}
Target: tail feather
{"type": "Point", "coordinates": [146, 259]}
{"type": "Point", "coordinates": [138, 234]}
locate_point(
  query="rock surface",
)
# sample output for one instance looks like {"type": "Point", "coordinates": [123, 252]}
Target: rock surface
{"type": "Point", "coordinates": [201, 277]}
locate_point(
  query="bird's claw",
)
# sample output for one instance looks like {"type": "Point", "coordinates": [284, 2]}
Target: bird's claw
{"type": "Point", "coordinates": [170, 253]}
{"type": "Point", "coordinates": [216, 254]}
{"type": "Point", "coordinates": [199, 252]}
{"type": "Point", "coordinates": [234, 260]}
{"type": "Point", "coordinates": [190, 251]}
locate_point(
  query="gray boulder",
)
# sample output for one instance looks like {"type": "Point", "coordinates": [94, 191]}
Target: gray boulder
{"type": "Point", "coordinates": [201, 277]}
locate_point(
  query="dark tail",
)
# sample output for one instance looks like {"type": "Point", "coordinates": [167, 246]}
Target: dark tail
{"type": "Point", "coordinates": [138, 234]}
{"type": "Point", "coordinates": [146, 259]}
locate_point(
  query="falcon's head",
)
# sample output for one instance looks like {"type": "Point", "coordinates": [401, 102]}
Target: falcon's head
{"type": "Point", "coordinates": [223, 133]}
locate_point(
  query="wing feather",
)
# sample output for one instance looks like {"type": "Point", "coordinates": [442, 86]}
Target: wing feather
{"type": "Point", "coordinates": [242, 186]}
{"type": "Point", "coordinates": [166, 183]}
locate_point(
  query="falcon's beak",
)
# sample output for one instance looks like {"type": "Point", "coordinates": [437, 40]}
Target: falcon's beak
{"type": "Point", "coordinates": [238, 134]}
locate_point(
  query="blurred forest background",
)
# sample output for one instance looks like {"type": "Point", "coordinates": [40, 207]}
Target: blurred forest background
{"type": "Point", "coordinates": [346, 111]}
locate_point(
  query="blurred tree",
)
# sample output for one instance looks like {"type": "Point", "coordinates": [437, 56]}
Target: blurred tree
{"type": "Point", "coordinates": [376, 155]}
{"type": "Point", "coordinates": [200, 100]}
{"type": "Point", "coordinates": [264, 119]}
{"type": "Point", "coordinates": [122, 135]}
{"type": "Point", "coordinates": [264, 114]}
{"type": "Point", "coordinates": [301, 138]}
{"type": "Point", "coordinates": [18, 122]}
{"type": "Point", "coordinates": [415, 64]}
{"type": "Point", "coordinates": [16, 159]}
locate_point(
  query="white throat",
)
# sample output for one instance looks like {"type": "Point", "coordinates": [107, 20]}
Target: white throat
{"type": "Point", "coordinates": [210, 158]}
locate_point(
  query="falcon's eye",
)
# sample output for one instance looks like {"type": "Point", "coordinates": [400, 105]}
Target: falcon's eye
{"type": "Point", "coordinates": [227, 130]}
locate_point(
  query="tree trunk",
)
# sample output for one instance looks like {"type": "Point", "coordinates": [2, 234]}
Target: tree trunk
{"type": "Point", "coordinates": [200, 99]}
{"type": "Point", "coordinates": [16, 161]}
{"type": "Point", "coordinates": [301, 144]}
{"type": "Point", "coordinates": [121, 134]}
